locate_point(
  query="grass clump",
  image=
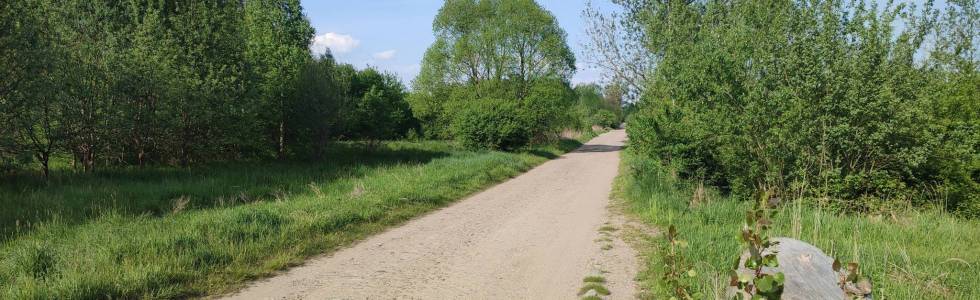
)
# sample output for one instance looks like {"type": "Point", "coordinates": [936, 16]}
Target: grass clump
{"type": "Point", "coordinates": [139, 248]}
{"type": "Point", "coordinates": [594, 279]}
{"type": "Point", "coordinates": [906, 254]}
{"type": "Point", "coordinates": [593, 286]}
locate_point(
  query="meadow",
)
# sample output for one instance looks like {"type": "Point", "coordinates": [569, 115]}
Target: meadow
{"type": "Point", "coordinates": [910, 253]}
{"type": "Point", "coordinates": [185, 232]}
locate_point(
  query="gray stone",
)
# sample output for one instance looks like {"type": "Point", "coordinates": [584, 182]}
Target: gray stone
{"type": "Point", "coordinates": [808, 271]}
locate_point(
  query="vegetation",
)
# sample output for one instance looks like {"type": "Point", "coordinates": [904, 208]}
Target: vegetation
{"type": "Point", "coordinates": [506, 50]}
{"type": "Point", "coordinates": [194, 232]}
{"type": "Point", "coordinates": [858, 121]}
{"type": "Point", "coordinates": [597, 106]}
{"type": "Point", "coordinates": [906, 253]}
{"type": "Point", "coordinates": [113, 84]}
{"type": "Point", "coordinates": [172, 149]}
{"type": "Point", "coordinates": [820, 99]}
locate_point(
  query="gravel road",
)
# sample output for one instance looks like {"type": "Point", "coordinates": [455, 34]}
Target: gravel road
{"type": "Point", "coordinates": [535, 236]}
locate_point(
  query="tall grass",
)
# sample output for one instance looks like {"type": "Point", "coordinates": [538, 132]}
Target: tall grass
{"type": "Point", "coordinates": [108, 249]}
{"type": "Point", "coordinates": [907, 254]}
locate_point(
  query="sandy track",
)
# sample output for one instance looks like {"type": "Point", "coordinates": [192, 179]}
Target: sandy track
{"type": "Point", "coordinates": [533, 237]}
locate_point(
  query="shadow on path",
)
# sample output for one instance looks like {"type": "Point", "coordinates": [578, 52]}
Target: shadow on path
{"type": "Point", "coordinates": [598, 148]}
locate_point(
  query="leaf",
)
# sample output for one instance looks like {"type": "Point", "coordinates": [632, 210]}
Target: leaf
{"type": "Point", "coordinates": [836, 265]}
{"type": "Point", "coordinates": [780, 278]}
{"type": "Point", "coordinates": [764, 283]}
{"type": "Point", "coordinates": [744, 278]}
{"type": "Point", "coordinates": [771, 261]}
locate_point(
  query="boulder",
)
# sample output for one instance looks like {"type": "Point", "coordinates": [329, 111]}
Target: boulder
{"type": "Point", "coordinates": [809, 273]}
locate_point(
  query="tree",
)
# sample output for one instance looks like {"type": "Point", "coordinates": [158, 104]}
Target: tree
{"type": "Point", "coordinates": [319, 100]}
{"type": "Point", "coordinates": [496, 49]}
{"type": "Point", "coordinates": [616, 46]}
{"type": "Point", "coordinates": [278, 36]}
{"type": "Point", "coordinates": [380, 111]}
{"type": "Point", "coordinates": [495, 40]}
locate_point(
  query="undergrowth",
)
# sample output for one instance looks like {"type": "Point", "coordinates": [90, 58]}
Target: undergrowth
{"type": "Point", "coordinates": [906, 254]}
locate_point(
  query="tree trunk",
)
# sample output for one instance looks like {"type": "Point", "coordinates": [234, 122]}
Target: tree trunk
{"type": "Point", "coordinates": [44, 157]}
{"type": "Point", "coordinates": [281, 151]}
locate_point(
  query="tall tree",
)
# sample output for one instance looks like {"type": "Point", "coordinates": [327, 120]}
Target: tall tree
{"type": "Point", "coordinates": [278, 39]}
{"type": "Point", "coordinates": [495, 40]}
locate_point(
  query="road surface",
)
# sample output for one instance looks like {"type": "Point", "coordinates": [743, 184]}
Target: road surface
{"type": "Point", "coordinates": [535, 236]}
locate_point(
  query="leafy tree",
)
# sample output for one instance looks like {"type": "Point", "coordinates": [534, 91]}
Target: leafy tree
{"type": "Point", "coordinates": [320, 99]}
{"type": "Point", "coordinates": [278, 37]}
{"type": "Point", "coordinates": [499, 49]}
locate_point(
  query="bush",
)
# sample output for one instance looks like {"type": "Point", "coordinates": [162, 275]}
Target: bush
{"type": "Point", "coordinates": [846, 112]}
{"type": "Point", "coordinates": [548, 105]}
{"type": "Point", "coordinates": [493, 124]}
{"type": "Point", "coordinates": [605, 118]}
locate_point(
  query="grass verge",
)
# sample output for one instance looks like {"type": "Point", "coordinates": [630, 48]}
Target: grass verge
{"type": "Point", "coordinates": [909, 254]}
{"type": "Point", "coordinates": [283, 213]}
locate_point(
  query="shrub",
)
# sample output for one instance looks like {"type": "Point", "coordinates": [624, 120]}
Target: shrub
{"type": "Point", "coordinates": [825, 101]}
{"type": "Point", "coordinates": [493, 124]}
{"type": "Point", "coordinates": [548, 105]}
{"type": "Point", "coordinates": [605, 118]}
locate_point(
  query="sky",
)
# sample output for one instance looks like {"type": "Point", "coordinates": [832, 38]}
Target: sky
{"type": "Point", "coordinates": [392, 35]}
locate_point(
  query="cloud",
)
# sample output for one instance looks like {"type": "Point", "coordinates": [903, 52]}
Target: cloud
{"type": "Point", "coordinates": [385, 55]}
{"type": "Point", "coordinates": [337, 43]}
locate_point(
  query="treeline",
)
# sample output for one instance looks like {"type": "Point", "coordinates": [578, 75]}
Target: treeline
{"type": "Point", "coordinates": [855, 104]}
{"type": "Point", "coordinates": [114, 83]}
{"type": "Point", "coordinates": [497, 76]}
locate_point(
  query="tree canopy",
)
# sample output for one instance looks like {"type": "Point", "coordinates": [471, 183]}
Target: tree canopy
{"type": "Point", "coordinates": [495, 40]}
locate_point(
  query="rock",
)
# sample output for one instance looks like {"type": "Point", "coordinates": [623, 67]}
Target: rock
{"type": "Point", "coordinates": [808, 272]}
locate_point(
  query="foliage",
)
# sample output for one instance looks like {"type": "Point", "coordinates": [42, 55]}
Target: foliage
{"type": "Point", "coordinates": [677, 272]}
{"type": "Point", "coordinates": [121, 83]}
{"type": "Point", "coordinates": [317, 105]}
{"type": "Point", "coordinates": [824, 99]}
{"type": "Point", "coordinates": [605, 119]}
{"type": "Point", "coordinates": [593, 108]}
{"type": "Point", "coordinates": [493, 124]}
{"type": "Point", "coordinates": [277, 40]}
{"type": "Point", "coordinates": [907, 253]}
{"type": "Point", "coordinates": [762, 253]}
{"type": "Point", "coordinates": [494, 49]}
{"type": "Point", "coordinates": [380, 112]}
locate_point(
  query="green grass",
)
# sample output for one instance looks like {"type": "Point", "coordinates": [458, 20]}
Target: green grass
{"type": "Point", "coordinates": [117, 234]}
{"type": "Point", "coordinates": [594, 279]}
{"type": "Point", "coordinates": [597, 287]}
{"type": "Point", "coordinates": [910, 254]}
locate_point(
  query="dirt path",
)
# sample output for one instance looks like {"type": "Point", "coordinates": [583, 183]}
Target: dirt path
{"type": "Point", "coordinates": [533, 237]}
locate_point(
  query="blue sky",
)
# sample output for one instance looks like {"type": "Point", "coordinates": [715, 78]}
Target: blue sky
{"type": "Point", "coordinates": [392, 35]}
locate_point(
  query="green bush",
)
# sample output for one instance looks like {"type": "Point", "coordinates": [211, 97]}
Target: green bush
{"type": "Point", "coordinates": [493, 124]}
{"type": "Point", "coordinates": [548, 105]}
{"type": "Point", "coordinates": [829, 101]}
{"type": "Point", "coordinates": [605, 119]}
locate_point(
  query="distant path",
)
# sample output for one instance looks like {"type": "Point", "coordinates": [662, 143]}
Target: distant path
{"type": "Point", "coordinates": [533, 237]}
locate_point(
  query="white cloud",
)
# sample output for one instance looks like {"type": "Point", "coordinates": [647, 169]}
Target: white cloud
{"type": "Point", "coordinates": [385, 55]}
{"type": "Point", "coordinates": [337, 43]}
